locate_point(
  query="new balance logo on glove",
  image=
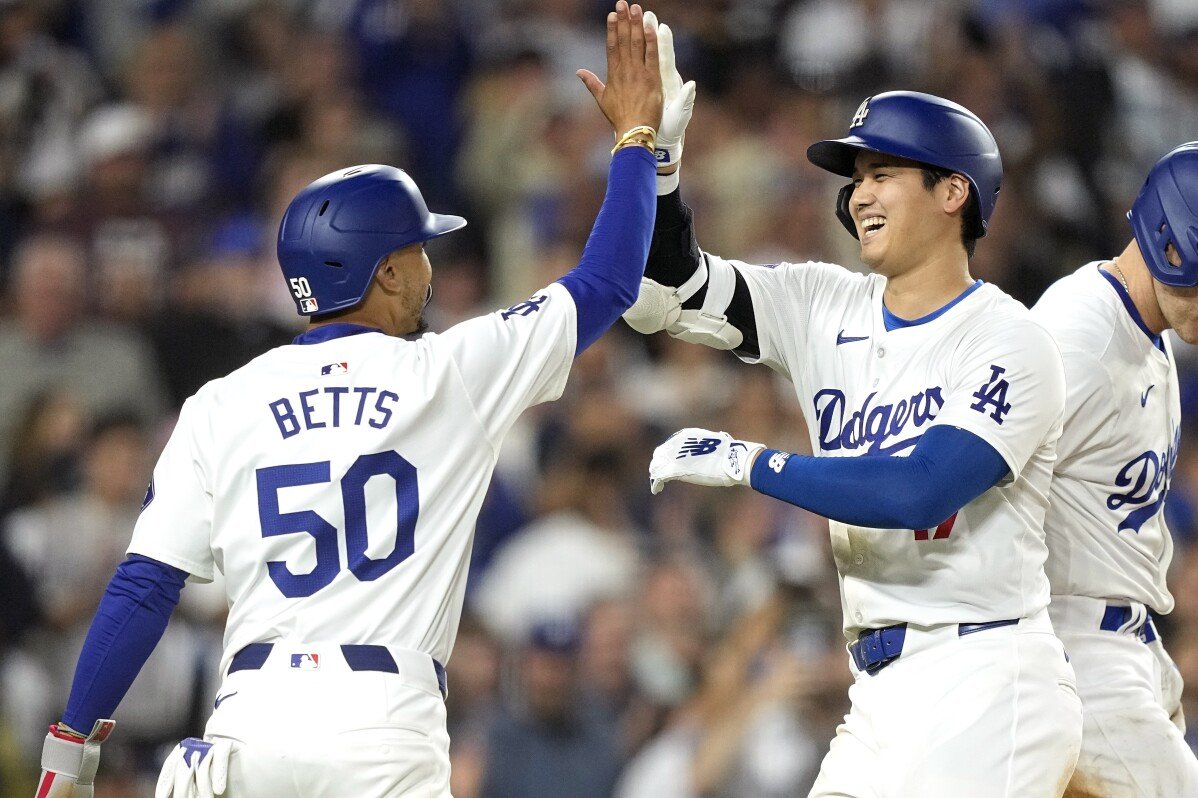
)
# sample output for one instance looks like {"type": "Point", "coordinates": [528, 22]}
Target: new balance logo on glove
{"type": "Point", "coordinates": [693, 447]}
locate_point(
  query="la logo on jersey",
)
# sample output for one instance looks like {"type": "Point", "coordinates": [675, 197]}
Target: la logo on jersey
{"type": "Point", "coordinates": [525, 308]}
{"type": "Point", "coordinates": [1146, 477]}
{"type": "Point", "coordinates": [305, 662]}
{"type": "Point", "coordinates": [993, 395]}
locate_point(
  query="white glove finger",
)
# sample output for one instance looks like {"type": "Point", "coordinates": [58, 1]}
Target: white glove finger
{"type": "Point", "coordinates": [650, 20]}
{"type": "Point", "coordinates": [166, 778]}
{"type": "Point", "coordinates": [221, 751]}
{"type": "Point", "coordinates": [656, 485]}
{"type": "Point", "coordinates": [671, 81]}
{"type": "Point", "coordinates": [184, 785]}
{"type": "Point", "coordinates": [688, 100]}
{"type": "Point", "coordinates": [204, 778]}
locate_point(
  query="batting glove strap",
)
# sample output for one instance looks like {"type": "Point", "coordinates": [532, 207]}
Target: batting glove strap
{"type": "Point", "coordinates": [702, 457]}
{"type": "Point", "coordinates": [69, 762]}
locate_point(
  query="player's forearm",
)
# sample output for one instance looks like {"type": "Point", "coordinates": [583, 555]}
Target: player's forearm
{"type": "Point", "coordinates": [129, 622]}
{"type": "Point", "coordinates": [605, 282]}
{"type": "Point", "coordinates": [676, 261]}
{"type": "Point", "coordinates": [948, 469]}
{"type": "Point", "coordinates": [674, 252]}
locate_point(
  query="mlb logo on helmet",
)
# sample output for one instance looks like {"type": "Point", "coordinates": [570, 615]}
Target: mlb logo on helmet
{"type": "Point", "coordinates": [305, 662]}
{"type": "Point", "coordinates": [334, 368]}
{"type": "Point", "coordinates": [308, 305]}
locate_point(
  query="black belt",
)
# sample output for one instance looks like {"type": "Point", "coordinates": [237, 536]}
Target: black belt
{"type": "Point", "coordinates": [874, 649]}
{"type": "Point", "coordinates": [357, 657]}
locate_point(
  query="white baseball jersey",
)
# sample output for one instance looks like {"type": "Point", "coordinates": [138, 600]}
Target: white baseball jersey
{"type": "Point", "coordinates": [1107, 536]}
{"type": "Point", "coordinates": [336, 484]}
{"type": "Point", "coordinates": [980, 364]}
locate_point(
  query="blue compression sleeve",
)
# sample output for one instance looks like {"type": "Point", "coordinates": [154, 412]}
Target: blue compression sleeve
{"type": "Point", "coordinates": [129, 622]}
{"type": "Point", "coordinates": [607, 280]}
{"type": "Point", "coordinates": [948, 469]}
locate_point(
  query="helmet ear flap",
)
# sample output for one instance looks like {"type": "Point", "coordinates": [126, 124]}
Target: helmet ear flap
{"type": "Point", "coordinates": [842, 209]}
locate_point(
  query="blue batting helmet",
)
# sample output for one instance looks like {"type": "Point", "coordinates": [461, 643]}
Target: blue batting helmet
{"type": "Point", "coordinates": [923, 128]}
{"type": "Point", "coordinates": [1166, 212]}
{"type": "Point", "coordinates": [338, 230]}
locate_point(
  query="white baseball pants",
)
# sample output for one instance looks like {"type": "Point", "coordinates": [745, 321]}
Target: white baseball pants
{"type": "Point", "coordinates": [306, 725]}
{"type": "Point", "coordinates": [1130, 747]}
{"type": "Point", "coordinates": [991, 714]}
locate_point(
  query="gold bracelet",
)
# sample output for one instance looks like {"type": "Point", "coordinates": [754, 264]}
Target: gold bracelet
{"type": "Point", "coordinates": [641, 136]}
{"type": "Point", "coordinates": [634, 142]}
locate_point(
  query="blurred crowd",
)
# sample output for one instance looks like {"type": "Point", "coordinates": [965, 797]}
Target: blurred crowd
{"type": "Point", "coordinates": [613, 644]}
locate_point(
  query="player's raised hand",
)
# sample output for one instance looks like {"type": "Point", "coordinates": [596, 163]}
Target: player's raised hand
{"type": "Point", "coordinates": [679, 99]}
{"type": "Point", "coordinates": [702, 457]}
{"type": "Point", "coordinates": [632, 96]}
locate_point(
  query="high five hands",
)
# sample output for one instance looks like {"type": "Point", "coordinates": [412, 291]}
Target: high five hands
{"type": "Point", "coordinates": [632, 96]}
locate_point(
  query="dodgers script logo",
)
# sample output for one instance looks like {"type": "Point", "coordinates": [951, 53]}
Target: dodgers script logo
{"type": "Point", "coordinates": [873, 426]}
{"type": "Point", "coordinates": [1147, 479]}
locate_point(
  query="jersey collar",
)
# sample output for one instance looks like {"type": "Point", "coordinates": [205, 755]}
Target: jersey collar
{"type": "Point", "coordinates": [327, 332]}
{"type": "Point", "coordinates": [893, 322]}
{"type": "Point", "coordinates": [1131, 308]}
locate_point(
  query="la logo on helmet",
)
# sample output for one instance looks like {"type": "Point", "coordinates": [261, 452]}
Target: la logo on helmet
{"type": "Point", "coordinates": [862, 112]}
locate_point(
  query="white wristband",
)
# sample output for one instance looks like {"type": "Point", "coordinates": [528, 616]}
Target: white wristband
{"type": "Point", "coordinates": [667, 184]}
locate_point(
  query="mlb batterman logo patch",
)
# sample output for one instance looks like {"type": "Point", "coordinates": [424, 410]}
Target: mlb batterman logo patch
{"type": "Point", "coordinates": [334, 368]}
{"type": "Point", "coordinates": [305, 662]}
{"type": "Point", "coordinates": [309, 305]}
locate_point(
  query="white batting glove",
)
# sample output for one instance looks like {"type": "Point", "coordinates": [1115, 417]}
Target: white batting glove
{"type": "Point", "coordinates": [69, 761]}
{"type": "Point", "coordinates": [195, 769]}
{"type": "Point", "coordinates": [679, 103]}
{"type": "Point", "coordinates": [702, 457]}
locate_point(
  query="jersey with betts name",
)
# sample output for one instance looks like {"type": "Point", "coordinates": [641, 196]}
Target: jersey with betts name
{"type": "Point", "coordinates": [980, 364]}
{"type": "Point", "coordinates": [1107, 536]}
{"type": "Point", "coordinates": [336, 484]}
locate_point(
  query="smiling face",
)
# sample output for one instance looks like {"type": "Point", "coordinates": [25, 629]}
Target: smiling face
{"type": "Point", "coordinates": [900, 222]}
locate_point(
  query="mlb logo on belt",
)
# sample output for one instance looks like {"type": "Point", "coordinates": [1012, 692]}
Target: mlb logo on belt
{"type": "Point", "coordinates": [334, 368]}
{"type": "Point", "coordinates": [308, 305]}
{"type": "Point", "coordinates": [305, 662]}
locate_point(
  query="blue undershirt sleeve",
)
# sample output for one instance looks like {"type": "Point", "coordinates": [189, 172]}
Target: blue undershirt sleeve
{"type": "Point", "coordinates": [948, 469]}
{"type": "Point", "coordinates": [607, 280]}
{"type": "Point", "coordinates": [129, 622]}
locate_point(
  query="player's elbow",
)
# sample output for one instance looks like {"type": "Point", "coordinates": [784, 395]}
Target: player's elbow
{"type": "Point", "coordinates": [922, 509]}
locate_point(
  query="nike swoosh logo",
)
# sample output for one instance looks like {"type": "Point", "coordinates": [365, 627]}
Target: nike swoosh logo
{"type": "Point", "coordinates": [841, 338]}
{"type": "Point", "coordinates": [220, 699]}
{"type": "Point", "coordinates": [1144, 396]}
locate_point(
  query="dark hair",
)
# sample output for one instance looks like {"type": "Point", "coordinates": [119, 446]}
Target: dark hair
{"type": "Point", "coordinates": [933, 175]}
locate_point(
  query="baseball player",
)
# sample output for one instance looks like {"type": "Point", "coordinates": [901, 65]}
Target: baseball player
{"type": "Point", "coordinates": [934, 403]}
{"type": "Point", "coordinates": [335, 483]}
{"type": "Point", "coordinates": [1108, 544]}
